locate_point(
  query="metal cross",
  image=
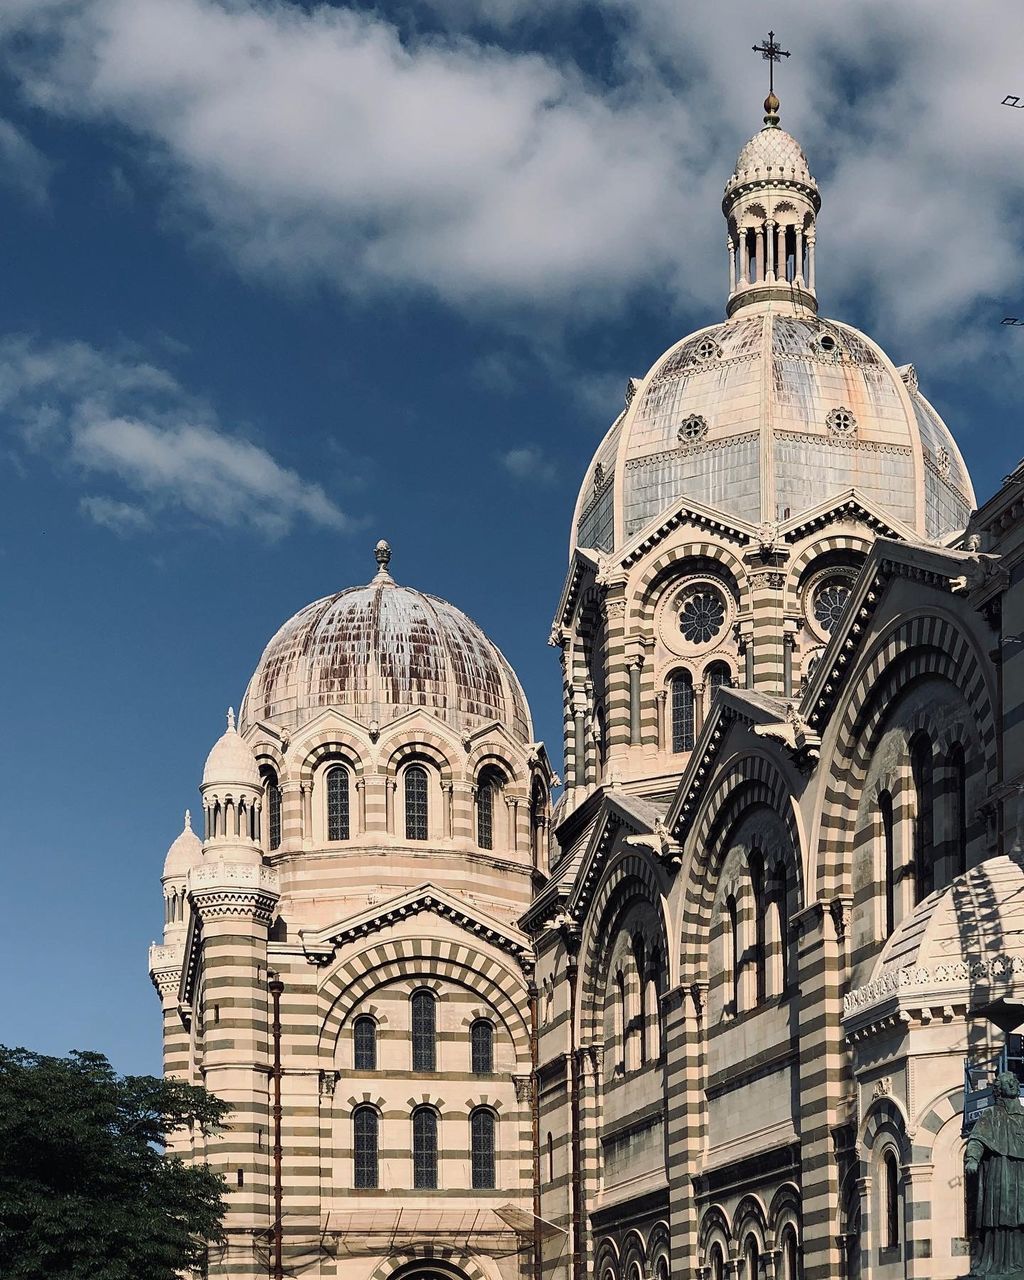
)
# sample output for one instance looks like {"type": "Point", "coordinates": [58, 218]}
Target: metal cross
{"type": "Point", "coordinates": [772, 52]}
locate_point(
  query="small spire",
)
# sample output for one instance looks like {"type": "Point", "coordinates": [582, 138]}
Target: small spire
{"type": "Point", "coordinates": [231, 719]}
{"type": "Point", "coordinates": [771, 51]}
{"type": "Point", "coordinates": [188, 819]}
{"type": "Point", "coordinates": [382, 554]}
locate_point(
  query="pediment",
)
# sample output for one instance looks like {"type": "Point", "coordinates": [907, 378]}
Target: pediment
{"type": "Point", "coordinates": [853, 506]}
{"type": "Point", "coordinates": [320, 945]}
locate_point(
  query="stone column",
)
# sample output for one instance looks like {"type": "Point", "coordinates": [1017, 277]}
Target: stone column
{"type": "Point", "coordinates": [661, 698]}
{"type": "Point", "coordinates": [744, 258]}
{"type": "Point", "coordinates": [730, 245]}
{"type": "Point", "coordinates": [798, 257]}
{"type": "Point", "coordinates": [635, 734]}
{"type": "Point", "coordinates": [769, 235]}
{"type": "Point", "coordinates": [759, 237]}
{"type": "Point", "coordinates": [781, 258]}
{"type": "Point", "coordinates": [810, 260]}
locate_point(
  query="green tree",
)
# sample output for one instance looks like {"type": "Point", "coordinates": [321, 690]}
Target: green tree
{"type": "Point", "coordinates": [86, 1192]}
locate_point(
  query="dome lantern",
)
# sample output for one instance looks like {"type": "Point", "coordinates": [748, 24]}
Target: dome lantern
{"type": "Point", "coordinates": [232, 794]}
{"type": "Point", "coordinates": [771, 205]}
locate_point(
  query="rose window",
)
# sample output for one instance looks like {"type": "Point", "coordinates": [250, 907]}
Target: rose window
{"type": "Point", "coordinates": [701, 615]}
{"type": "Point", "coordinates": [841, 422]}
{"type": "Point", "coordinates": [692, 428]}
{"type": "Point", "coordinates": [707, 350]}
{"type": "Point", "coordinates": [829, 602]}
{"type": "Point", "coordinates": [943, 460]}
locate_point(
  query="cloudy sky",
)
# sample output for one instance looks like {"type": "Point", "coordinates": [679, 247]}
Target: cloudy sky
{"type": "Point", "coordinates": [280, 278]}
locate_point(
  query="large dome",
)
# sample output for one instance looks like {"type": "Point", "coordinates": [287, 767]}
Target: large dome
{"type": "Point", "coordinates": [766, 416]}
{"type": "Point", "coordinates": [774, 412]}
{"type": "Point", "coordinates": [379, 651]}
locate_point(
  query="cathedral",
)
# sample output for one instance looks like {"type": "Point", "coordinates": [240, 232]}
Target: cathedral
{"type": "Point", "coordinates": [706, 1016]}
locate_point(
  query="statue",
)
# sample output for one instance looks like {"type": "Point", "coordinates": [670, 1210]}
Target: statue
{"type": "Point", "coordinates": [995, 1152]}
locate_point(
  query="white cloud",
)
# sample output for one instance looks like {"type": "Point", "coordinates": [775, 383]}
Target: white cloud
{"type": "Point", "coordinates": [23, 167]}
{"type": "Point", "coordinates": [312, 144]}
{"type": "Point", "coordinates": [528, 463]}
{"type": "Point", "coordinates": [121, 517]}
{"type": "Point", "coordinates": [116, 415]}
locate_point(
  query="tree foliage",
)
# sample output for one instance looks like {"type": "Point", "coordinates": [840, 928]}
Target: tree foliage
{"type": "Point", "coordinates": [86, 1192]}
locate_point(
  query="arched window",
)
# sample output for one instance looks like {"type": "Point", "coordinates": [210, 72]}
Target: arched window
{"type": "Point", "coordinates": [957, 783]}
{"type": "Point", "coordinates": [482, 1047]}
{"type": "Point", "coordinates": [620, 1020]}
{"type": "Point", "coordinates": [273, 810]}
{"type": "Point", "coordinates": [416, 803]}
{"type": "Point", "coordinates": [718, 677]}
{"type": "Point", "coordinates": [682, 712]}
{"type": "Point", "coordinates": [885, 815]}
{"type": "Point", "coordinates": [752, 1258]}
{"type": "Point", "coordinates": [717, 1263]}
{"type": "Point", "coordinates": [481, 1129]}
{"type": "Point", "coordinates": [924, 851]}
{"type": "Point", "coordinates": [790, 1255]}
{"type": "Point", "coordinates": [337, 803]}
{"type": "Point", "coordinates": [364, 1043]}
{"type": "Point", "coordinates": [732, 953]}
{"type": "Point", "coordinates": [485, 815]}
{"type": "Point", "coordinates": [365, 1128]}
{"type": "Point", "coordinates": [424, 1148]}
{"type": "Point", "coordinates": [537, 815]}
{"type": "Point", "coordinates": [551, 1157]}
{"type": "Point", "coordinates": [891, 1205]}
{"type": "Point", "coordinates": [424, 1032]}
{"type": "Point", "coordinates": [777, 934]}
{"type": "Point", "coordinates": [760, 940]}
{"type": "Point", "coordinates": [661, 1271]}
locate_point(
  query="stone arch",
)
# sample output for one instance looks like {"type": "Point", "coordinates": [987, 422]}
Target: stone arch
{"type": "Point", "coordinates": [714, 1223]}
{"type": "Point", "coordinates": [885, 1117]}
{"type": "Point", "coordinates": [659, 1244]}
{"type": "Point", "coordinates": [643, 596]}
{"type": "Point", "coordinates": [497, 755]}
{"type": "Point", "coordinates": [330, 744]}
{"type": "Point", "coordinates": [606, 1259]}
{"type": "Point", "coordinates": [456, 1262]}
{"type": "Point", "coordinates": [748, 782]}
{"type": "Point", "coordinates": [750, 1217]}
{"type": "Point", "coordinates": [628, 879]}
{"type": "Point", "coordinates": [925, 644]}
{"type": "Point", "coordinates": [784, 1210]}
{"type": "Point", "coordinates": [429, 747]}
{"type": "Point", "coordinates": [851, 543]}
{"type": "Point", "coordinates": [397, 959]}
{"type": "Point", "coordinates": [633, 1251]}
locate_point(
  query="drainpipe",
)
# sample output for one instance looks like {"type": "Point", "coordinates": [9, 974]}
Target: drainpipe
{"type": "Point", "coordinates": [538, 1267]}
{"type": "Point", "coordinates": [276, 987]}
{"type": "Point", "coordinates": [572, 975]}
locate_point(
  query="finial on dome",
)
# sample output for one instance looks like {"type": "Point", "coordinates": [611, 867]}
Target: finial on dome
{"type": "Point", "coordinates": [188, 819]}
{"type": "Point", "coordinates": [231, 719]}
{"type": "Point", "coordinates": [382, 554]}
{"type": "Point", "coordinates": [771, 51]}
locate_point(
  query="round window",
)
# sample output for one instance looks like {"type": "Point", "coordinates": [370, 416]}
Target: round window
{"type": "Point", "coordinates": [692, 428]}
{"type": "Point", "coordinates": [702, 615]}
{"type": "Point", "coordinates": [829, 602]}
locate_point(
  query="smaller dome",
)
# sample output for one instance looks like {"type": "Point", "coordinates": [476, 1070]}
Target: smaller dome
{"type": "Point", "coordinates": [231, 762]}
{"type": "Point", "coordinates": [974, 918]}
{"type": "Point", "coordinates": [775, 149]}
{"type": "Point", "coordinates": [184, 853]}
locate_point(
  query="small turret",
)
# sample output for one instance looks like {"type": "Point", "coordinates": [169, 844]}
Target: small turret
{"type": "Point", "coordinates": [186, 852]}
{"type": "Point", "coordinates": [232, 799]}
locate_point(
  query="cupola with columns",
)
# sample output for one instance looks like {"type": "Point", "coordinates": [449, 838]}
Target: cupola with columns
{"type": "Point", "coordinates": [771, 203]}
{"type": "Point", "coordinates": [232, 794]}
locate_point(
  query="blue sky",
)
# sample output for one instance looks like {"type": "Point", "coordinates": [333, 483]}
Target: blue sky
{"type": "Point", "coordinates": [279, 279]}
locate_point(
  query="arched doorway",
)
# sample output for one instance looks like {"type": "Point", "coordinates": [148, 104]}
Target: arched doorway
{"type": "Point", "coordinates": [429, 1269]}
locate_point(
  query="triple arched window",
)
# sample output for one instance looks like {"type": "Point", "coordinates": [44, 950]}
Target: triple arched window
{"type": "Point", "coordinates": [416, 806]}
{"type": "Point", "coordinates": [337, 803]}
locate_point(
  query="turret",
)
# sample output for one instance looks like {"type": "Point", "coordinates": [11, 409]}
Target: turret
{"type": "Point", "coordinates": [186, 852]}
{"type": "Point", "coordinates": [232, 800]}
